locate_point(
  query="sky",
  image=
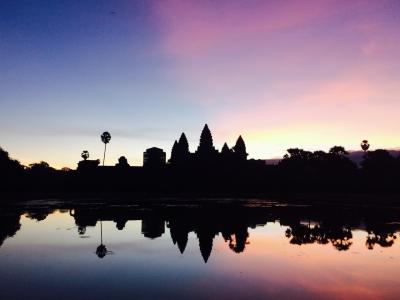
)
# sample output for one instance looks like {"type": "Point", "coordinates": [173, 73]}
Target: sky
{"type": "Point", "coordinates": [310, 74]}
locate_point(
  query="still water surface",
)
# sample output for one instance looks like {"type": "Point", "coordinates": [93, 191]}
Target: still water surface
{"type": "Point", "coordinates": [181, 253]}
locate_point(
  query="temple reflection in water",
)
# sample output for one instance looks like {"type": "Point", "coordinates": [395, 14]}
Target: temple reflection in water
{"type": "Point", "coordinates": [305, 224]}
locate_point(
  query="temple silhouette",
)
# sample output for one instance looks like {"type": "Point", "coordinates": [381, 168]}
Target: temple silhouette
{"type": "Point", "coordinates": [206, 153]}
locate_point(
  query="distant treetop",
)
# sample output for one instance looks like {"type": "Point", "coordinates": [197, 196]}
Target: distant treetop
{"type": "Point", "coordinates": [365, 145]}
{"type": "Point", "coordinates": [122, 162]}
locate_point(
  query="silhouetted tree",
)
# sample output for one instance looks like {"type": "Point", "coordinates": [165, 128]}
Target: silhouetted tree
{"type": "Point", "coordinates": [105, 138]}
{"type": "Point", "coordinates": [380, 170]}
{"type": "Point", "coordinates": [7, 165]}
{"type": "Point", "coordinates": [297, 159]}
{"type": "Point", "coordinates": [339, 164]}
{"type": "Point", "coordinates": [319, 170]}
{"type": "Point", "coordinates": [319, 156]}
{"type": "Point", "coordinates": [378, 161]}
{"type": "Point", "coordinates": [299, 154]}
{"type": "Point", "coordinates": [41, 167]}
{"type": "Point", "coordinates": [365, 145]}
{"type": "Point", "coordinates": [122, 162]}
{"type": "Point", "coordinates": [338, 151]}
{"type": "Point", "coordinates": [11, 173]}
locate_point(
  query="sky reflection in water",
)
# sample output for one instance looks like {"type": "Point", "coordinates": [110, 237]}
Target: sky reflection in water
{"type": "Point", "coordinates": [49, 257]}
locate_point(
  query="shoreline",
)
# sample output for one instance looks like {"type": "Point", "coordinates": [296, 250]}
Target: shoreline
{"type": "Point", "coordinates": [305, 198]}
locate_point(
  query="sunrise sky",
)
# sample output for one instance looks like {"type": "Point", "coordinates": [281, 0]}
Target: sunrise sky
{"type": "Point", "coordinates": [309, 74]}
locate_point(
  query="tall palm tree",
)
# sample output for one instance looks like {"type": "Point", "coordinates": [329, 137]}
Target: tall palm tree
{"type": "Point", "coordinates": [105, 138]}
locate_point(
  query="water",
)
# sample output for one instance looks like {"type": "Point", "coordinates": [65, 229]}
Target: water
{"type": "Point", "coordinates": [171, 252]}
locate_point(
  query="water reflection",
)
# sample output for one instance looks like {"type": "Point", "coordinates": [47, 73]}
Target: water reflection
{"type": "Point", "coordinates": [305, 225]}
{"type": "Point", "coordinates": [249, 251]}
{"type": "Point", "coordinates": [338, 235]}
{"type": "Point", "coordinates": [101, 250]}
{"type": "Point", "coordinates": [9, 225]}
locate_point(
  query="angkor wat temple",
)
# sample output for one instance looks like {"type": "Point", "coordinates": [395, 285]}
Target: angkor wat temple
{"type": "Point", "coordinates": [205, 155]}
{"type": "Point", "coordinates": [206, 152]}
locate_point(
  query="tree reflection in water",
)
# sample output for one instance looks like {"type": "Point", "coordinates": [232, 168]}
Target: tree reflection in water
{"type": "Point", "coordinates": [305, 225]}
{"type": "Point", "coordinates": [382, 234]}
{"type": "Point", "coordinates": [339, 236]}
{"type": "Point", "coordinates": [101, 250]}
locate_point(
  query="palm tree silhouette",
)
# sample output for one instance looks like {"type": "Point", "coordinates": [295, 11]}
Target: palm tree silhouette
{"type": "Point", "coordinates": [105, 138]}
{"type": "Point", "coordinates": [85, 154]}
{"type": "Point", "coordinates": [365, 145]}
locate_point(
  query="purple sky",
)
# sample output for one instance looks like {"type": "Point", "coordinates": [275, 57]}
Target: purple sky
{"type": "Point", "coordinates": [308, 74]}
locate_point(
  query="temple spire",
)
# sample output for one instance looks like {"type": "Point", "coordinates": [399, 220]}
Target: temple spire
{"type": "Point", "coordinates": [225, 149]}
{"type": "Point", "coordinates": [240, 149]}
{"type": "Point", "coordinates": [206, 140]}
{"type": "Point", "coordinates": [183, 144]}
{"type": "Point", "coordinates": [174, 152]}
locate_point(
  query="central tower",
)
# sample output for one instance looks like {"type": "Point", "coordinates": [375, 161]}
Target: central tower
{"type": "Point", "coordinates": [206, 147]}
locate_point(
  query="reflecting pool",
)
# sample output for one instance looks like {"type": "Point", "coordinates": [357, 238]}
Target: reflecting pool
{"type": "Point", "coordinates": [255, 250]}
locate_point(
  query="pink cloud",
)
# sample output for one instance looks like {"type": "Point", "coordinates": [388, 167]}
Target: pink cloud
{"type": "Point", "coordinates": [220, 47]}
{"type": "Point", "coordinates": [195, 27]}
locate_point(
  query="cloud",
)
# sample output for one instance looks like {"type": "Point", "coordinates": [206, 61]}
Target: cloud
{"type": "Point", "coordinates": [193, 28]}
{"type": "Point", "coordinates": [283, 61]}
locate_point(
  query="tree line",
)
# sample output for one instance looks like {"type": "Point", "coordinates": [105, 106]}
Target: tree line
{"type": "Point", "coordinates": [299, 170]}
